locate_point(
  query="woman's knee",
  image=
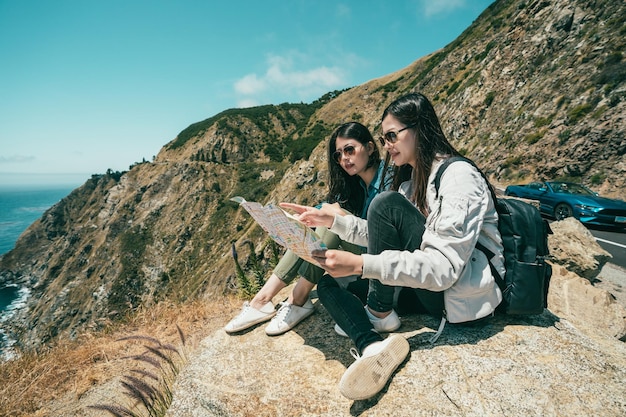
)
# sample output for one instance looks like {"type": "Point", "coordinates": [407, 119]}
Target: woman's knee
{"type": "Point", "coordinates": [384, 200]}
{"type": "Point", "coordinates": [325, 283]}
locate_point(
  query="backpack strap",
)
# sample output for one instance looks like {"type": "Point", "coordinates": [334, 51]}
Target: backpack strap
{"type": "Point", "coordinates": [437, 181]}
{"type": "Point", "coordinates": [444, 165]}
{"type": "Point", "coordinates": [489, 254]}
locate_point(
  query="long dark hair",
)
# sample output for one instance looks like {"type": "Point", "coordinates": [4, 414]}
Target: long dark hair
{"type": "Point", "coordinates": [344, 188]}
{"type": "Point", "coordinates": [430, 140]}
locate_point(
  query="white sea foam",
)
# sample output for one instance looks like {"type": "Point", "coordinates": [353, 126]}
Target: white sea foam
{"type": "Point", "coordinates": [6, 346]}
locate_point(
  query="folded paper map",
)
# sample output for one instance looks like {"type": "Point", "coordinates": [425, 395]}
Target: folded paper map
{"type": "Point", "coordinates": [284, 228]}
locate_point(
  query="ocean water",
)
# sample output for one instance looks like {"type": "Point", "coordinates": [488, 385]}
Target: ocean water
{"type": "Point", "coordinates": [20, 206]}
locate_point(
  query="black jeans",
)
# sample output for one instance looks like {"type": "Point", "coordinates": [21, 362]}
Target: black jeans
{"type": "Point", "coordinates": [393, 223]}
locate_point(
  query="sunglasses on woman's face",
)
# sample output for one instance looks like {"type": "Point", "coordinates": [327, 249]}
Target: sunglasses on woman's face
{"type": "Point", "coordinates": [347, 150]}
{"type": "Point", "coordinates": [391, 136]}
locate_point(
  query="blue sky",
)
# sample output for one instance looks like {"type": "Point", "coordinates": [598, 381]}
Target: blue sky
{"type": "Point", "coordinates": [87, 85]}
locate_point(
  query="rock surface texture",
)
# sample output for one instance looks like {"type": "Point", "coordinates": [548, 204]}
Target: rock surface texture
{"type": "Point", "coordinates": [532, 366]}
{"type": "Point", "coordinates": [568, 361]}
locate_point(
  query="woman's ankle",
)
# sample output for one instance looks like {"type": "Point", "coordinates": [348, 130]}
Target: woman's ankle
{"type": "Point", "coordinates": [259, 302]}
{"type": "Point", "coordinates": [378, 314]}
{"type": "Point", "coordinates": [300, 293]}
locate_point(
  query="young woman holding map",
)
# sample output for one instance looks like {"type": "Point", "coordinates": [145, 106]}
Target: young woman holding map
{"type": "Point", "coordinates": [355, 177]}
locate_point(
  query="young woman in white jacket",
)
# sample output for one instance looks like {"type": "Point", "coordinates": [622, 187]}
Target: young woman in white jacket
{"type": "Point", "coordinates": [416, 239]}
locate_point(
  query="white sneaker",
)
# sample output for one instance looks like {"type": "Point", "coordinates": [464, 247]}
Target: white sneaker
{"type": "Point", "coordinates": [340, 331]}
{"type": "Point", "coordinates": [288, 316]}
{"type": "Point", "coordinates": [249, 316]}
{"type": "Point", "coordinates": [389, 324]}
{"type": "Point", "coordinates": [371, 371]}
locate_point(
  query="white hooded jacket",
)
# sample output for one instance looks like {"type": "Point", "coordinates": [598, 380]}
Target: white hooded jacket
{"type": "Point", "coordinates": [448, 259]}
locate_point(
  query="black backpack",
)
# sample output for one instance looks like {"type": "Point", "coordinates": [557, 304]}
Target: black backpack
{"type": "Point", "coordinates": [525, 239]}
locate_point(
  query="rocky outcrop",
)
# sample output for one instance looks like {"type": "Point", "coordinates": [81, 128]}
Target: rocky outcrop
{"type": "Point", "coordinates": [574, 247]}
{"type": "Point", "coordinates": [539, 366]}
{"type": "Point", "coordinates": [567, 361]}
{"type": "Point", "coordinates": [589, 308]}
{"type": "Point", "coordinates": [546, 365]}
{"type": "Point", "coordinates": [577, 260]}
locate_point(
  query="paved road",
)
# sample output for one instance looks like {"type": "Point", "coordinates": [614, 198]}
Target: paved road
{"type": "Point", "coordinates": [612, 278]}
{"type": "Point", "coordinates": [613, 242]}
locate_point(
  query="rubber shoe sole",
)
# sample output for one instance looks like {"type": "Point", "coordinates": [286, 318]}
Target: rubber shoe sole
{"type": "Point", "coordinates": [369, 374]}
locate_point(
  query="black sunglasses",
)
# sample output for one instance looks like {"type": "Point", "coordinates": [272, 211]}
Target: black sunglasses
{"type": "Point", "coordinates": [347, 150]}
{"type": "Point", "coordinates": [391, 136]}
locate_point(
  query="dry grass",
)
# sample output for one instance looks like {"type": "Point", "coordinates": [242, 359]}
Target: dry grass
{"type": "Point", "coordinates": [29, 384]}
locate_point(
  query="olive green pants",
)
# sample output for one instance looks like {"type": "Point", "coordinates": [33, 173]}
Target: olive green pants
{"type": "Point", "coordinates": [290, 265]}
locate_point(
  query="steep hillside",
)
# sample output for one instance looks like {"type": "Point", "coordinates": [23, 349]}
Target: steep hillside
{"type": "Point", "coordinates": [532, 89]}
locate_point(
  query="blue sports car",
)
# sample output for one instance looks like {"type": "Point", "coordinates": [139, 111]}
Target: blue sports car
{"type": "Point", "coordinates": [565, 199]}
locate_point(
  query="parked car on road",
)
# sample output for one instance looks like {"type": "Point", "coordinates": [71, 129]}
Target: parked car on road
{"type": "Point", "coordinates": [567, 199]}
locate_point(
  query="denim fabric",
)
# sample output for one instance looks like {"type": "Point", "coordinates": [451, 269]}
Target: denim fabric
{"type": "Point", "coordinates": [395, 224]}
{"type": "Point", "coordinates": [345, 306]}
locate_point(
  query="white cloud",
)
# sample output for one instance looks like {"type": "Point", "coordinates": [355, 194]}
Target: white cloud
{"type": "Point", "coordinates": [282, 77]}
{"type": "Point", "coordinates": [19, 159]}
{"type": "Point", "coordinates": [280, 73]}
{"type": "Point", "coordinates": [432, 8]}
{"type": "Point", "coordinates": [250, 84]}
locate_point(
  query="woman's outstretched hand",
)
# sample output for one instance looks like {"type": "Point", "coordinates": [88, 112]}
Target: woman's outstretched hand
{"type": "Point", "coordinates": [339, 263]}
{"type": "Point", "coordinates": [314, 217]}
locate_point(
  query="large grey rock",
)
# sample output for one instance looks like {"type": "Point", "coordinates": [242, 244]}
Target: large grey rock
{"type": "Point", "coordinates": [575, 298]}
{"type": "Point", "coordinates": [590, 308]}
{"type": "Point", "coordinates": [574, 247]}
{"type": "Point", "coordinates": [567, 361]}
{"type": "Point", "coordinates": [530, 366]}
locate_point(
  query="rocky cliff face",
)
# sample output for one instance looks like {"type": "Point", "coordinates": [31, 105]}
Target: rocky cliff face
{"type": "Point", "coordinates": [531, 90]}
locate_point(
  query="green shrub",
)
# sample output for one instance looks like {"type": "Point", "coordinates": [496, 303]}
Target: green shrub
{"type": "Point", "coordinates": [302, 147]}
{"type": "Point", "coordinates": [577, 113]}
{"type": "Point", "coordinates": [597, 178]}
{"type": "Point", "coordinates": [489, 98]}
{"type": "Point", "coordinates": [534, 137]}
{"type": "Point", "coordinates": [247, 287]}
{"type": "Point", "coordinates": [598, 112]}
{"type": "Point", "coordinates": [542, 121]}
{"type": "Point", "coordinates": [564, 136]}
{"type": "Point", "coordinates": [506, 138]}
{"type": "Point", "coordinates": [615, 99]}
{"type": "Point", "coordinates": [453, 87]}
{"type": "Point", "coordinates": [485, 52]}
{"type": "Point", "coordinates": [513, 161]}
